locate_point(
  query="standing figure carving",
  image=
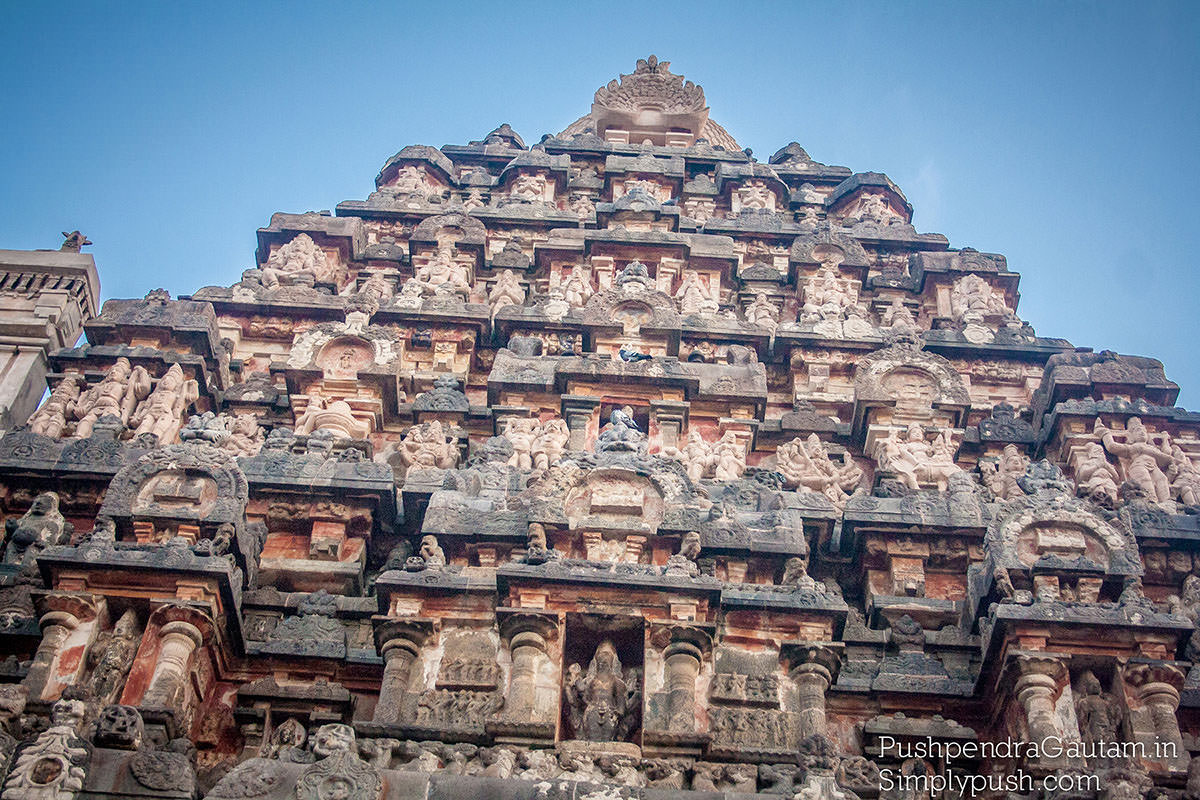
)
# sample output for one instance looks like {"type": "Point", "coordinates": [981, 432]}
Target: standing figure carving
{"type": "Point", "coordinates": [1143, 460]}
{"type": "Point", "coordinates": [52, 418]}
{"type": "Point", "coordinates": [551, 443]}
{"type": "Point", "coordinates": [1001, 476]}
{"type": "Point", "coordinates": [123, 387]}
{"type": "Point", "coordinates": [111, 657]}
{"type": "Point", "coordinates": [598, 698]}
{"type": "Point", "coordinates": [1095, 478]}
{"type": "Point", "coordinates": [162, 413]}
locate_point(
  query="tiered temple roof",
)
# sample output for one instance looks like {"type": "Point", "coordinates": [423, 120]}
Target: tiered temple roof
{"type": "Point", "coordinates": [618, 465]}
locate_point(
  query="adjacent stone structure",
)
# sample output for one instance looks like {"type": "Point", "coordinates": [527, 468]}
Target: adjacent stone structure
{"type": "Point", "coordinates": [622, 465]}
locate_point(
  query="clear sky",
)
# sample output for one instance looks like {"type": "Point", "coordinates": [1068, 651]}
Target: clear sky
{"type": "Point", "coordinates": [1064, 134]}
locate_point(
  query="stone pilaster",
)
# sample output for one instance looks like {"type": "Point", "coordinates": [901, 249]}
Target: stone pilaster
{"type": "Point", "coordinates": [1155, 725]}
{"type": "Point", "coordinates": [400, 643]}
{"type": "Point", "coordinates": [813, 669]}
{"type": "Point", "coordinates": [578, 412]}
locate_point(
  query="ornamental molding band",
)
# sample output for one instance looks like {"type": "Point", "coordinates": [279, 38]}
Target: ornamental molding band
{"type": "Point", "coordinates": [622, 465]}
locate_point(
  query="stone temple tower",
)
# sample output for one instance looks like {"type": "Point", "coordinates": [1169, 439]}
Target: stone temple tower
{"type": "Point", "coordinates": [622, 465]}
{"type": "Point", "coordinates": [45, 297]}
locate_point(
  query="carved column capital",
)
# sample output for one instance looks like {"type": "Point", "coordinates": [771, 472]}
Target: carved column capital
{"type": "Point", "coordinates": [408, 633]}
{"type": "Point", "coordinates": [529, 630]}
{"type": "Point", "coordinates": [813, 658]}
{"type": "Point", "coordinates": [81, 606]}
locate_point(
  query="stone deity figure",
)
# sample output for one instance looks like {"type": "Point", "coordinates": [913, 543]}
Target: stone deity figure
{"type": "Point", "coordinates": [693, 298]}
{"type": "Point", "coordinates": [762, 312]}
{"type": "Point", "coordinates": [51, 419]}
{"type": "Point", "coordinates": [522, 433]}
{"type": "Point", "coordinates": [795, 574]}
{"type": "Point", "coordinates": [697, 455]}
{"type": "Point", "coordinates": [578, 288]}
{"type": "Point", "coordinates": [111, 657]}
{"type": "Point", "coordinates": [428, 446]}
{"type": "Point", "coordinates": [897, 318]}
{"type": "Point", "coordinates": [122, 388]}
{"type": "Point", "coordinates": [162, 413]}
{"type": "Point", "coordinates": [807, 464]}
{"type": "Point", "coordinates": [300, 261]}
{"type": "Point", "coordinates": [1144, 461]}
{"type": "Point", "coordinates": [915, 460]}
{"type": "Point", "coordinates": [551, 443]}
{"type": "Point", "coordinates": [431, 552]}
{"type": "Point", "coordinates": [42, 526]}
{"type": "Point", "coordinates": [507, 291]}
{"type": "Point", "coordinates": [1097, 712]}
{"type": "Point", "coordinates": [683, 563]}
{"type": "Point", "coordinates": [537, 547]}
{"type": "Point", "coordinates": [973, 298]}
{"type": "Point", "coordinates": [1001, 477]}
{"type": "Point", "coordinates": [287, 743]}
{"type": "Point", "coordinates": [729, 456]}
{"type": "Point", "coordinates": [1095, 478]}
{"type": "Point", "coordinates": [597, 699]}
{"type": "Point", "coordinates": [1184, 477]}
{"type": "Point", "coordinates": [443, 270]}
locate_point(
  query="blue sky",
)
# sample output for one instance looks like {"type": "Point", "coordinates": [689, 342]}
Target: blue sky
{"type": "Point", "coordinates": [1064, 135]}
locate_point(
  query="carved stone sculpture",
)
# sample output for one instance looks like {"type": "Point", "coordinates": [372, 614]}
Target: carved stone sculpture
{"type": "Point", "coordinates": [763, 312]}
{"type": "Point", "coordinates": [1096, 710]}
{"type": "Point", "coordinates": [111, 657]}
{"type": "Point", "coordinates": [123, 387]}
{"type": "Point", "coordinates": [507, 291]}
{"type": "Point", "coordinates": [1095, 478]}
{"type": "Point", "coordinates": [54, 766]}
{"type": "Point", "coordinates": [729, 457]}
{"type": "Point", "coordinates": [443, 270]}
{"type": "Point", "coordinates": [522, 433]}
{"type": "Point", "coordinates": [340, 772]}
{"type": "Point", "coordinates": [42, 526]}
{"type": "Point", "coordinates": [299, 262]}
{"type": "Point", "coordinates": [697, 455]}
{"type": "Point", "coordinates": [1143, 461]}
{"type": "Point", "coordinates": [1001, 476]}
{"type": "Point", "coordinates": [807, 463]}
{"type": "Point", "coordinates": [693, 297]}
{"type": "Point", "coordinates": [335, 416]}
{"type": "Point", "coordinates": [1184, 477]}
{"type": "Point", "coordinates": [972, 297]}
{"type": "Point", "coordinates": [162, 413]}
{"type": "Point", "coordinates": [683, 563]}
{"type": "Point", "coordinates": [917, 461]}
{"type": "Point", "coordinates": [55, 414]}
{"type": "Point", "coordinates": [428, 446]}
{"type": "Point", "coordinates": [598, 698]}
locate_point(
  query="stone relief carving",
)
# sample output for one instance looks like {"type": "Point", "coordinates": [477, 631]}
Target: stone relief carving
{"type": "Point", "coordinates": [123, 387]}
{"type": "Point", "coordinates": [507, 291]}
{"type": "Point", "coordinates": [428, 446]}
{"type": "Point", "coordinates": [722, 460]}
{"type": "Point", "coordinates": [300, 262]}
{"type": "Point", "coordinates": [693, 296]}
{"type": "Point", "coordinates": [599, 698]}
{"type": "Point", "coordinates": [916, 460]}
{"type": "Point", "coordinates": [806, 463]}
{"type": "Point", "coordinates": [340, 772]}
{"type": "Point", "coordinates": [1143, 462]}
{"type": "Point", "coordinates": [162, 412]}
{"type": "Point", "coordinates": [42, 526]}
{"type": "Point", "coordinates": [111, 656]}
{"type": "Point", "coordinates": [237, 434]}
{"type": "Point", "coordinates": [1001, 475]}
{"type": "Point", "coordinates": [54, 766]}
{"type": "Point", "coordinates": [58, 410]}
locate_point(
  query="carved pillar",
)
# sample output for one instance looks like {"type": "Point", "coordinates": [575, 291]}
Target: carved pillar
{"type": "Point", "coordinates": [178, 639]}
{"type": "Point", "coordinates": [669, 418]}
{"type": "Point", "coordinates": [1158, 688]}
{"type": "Point", "coordinates": [1038, 684]}
{"type": "Point", "coordinates": [813, 669]}
{"type": "Point", "coordinates": [577, 411]}
{"type": "Point", "coordinates": [56, 627]}
{"type": "Point", "coordinates": [682, 659]}
{"type": "Point", "coordinates": [61, 615]}
{"type": "Point", "coordinates": [400, 645]}
{"type": "Point", "coordinates": [527, 636]}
